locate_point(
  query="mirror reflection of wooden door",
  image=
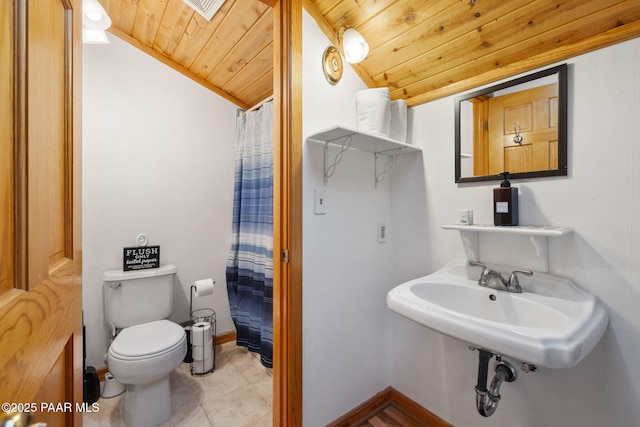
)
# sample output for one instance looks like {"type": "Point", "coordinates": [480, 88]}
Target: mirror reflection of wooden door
{"type": "Point", "coordinates": [40, 265]}
{"type": "Point", "coordinates": [532, 115]}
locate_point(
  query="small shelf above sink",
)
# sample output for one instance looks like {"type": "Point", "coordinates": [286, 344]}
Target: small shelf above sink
{"type": "Point", "coordinates": [361, 141]}
{"type": "Point", "coordinates": [350, 138]}
{"type": "Point", "coordinates": [537, 234]}
{"type": "Point", "coordinates": [528, 230]}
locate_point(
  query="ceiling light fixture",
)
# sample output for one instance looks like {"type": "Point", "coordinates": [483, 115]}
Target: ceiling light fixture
{"type": "Point", "coordinates": [353, 47]}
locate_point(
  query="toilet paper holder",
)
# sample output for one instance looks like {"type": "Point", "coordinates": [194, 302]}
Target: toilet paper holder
{"type": "Point", "coordinates": [202, 331]}
{"type": "Point", "coordinates": [203, 345]}
{"type": "Point", "coordinates": [200, 288]}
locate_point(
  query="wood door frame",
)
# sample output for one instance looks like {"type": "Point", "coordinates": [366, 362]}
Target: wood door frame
{"type": "Point", "coordinates": [287, 233]}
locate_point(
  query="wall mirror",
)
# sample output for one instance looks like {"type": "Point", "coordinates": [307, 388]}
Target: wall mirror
{"type": "Point", "coordinates": [519, 126]}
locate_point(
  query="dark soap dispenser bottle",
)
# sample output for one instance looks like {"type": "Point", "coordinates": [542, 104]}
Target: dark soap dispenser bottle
{"type": "Point", "coordinates": [505, 203]}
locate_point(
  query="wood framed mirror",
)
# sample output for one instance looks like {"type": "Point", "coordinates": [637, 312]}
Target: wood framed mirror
{"type": "Point", "coordinates": [519, 126]}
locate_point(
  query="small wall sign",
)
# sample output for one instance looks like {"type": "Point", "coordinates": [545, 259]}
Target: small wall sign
{"type": "Point", "coordinates": [141, 258]}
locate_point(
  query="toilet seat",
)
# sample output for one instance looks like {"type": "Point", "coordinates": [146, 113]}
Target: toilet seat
{"type": "Point", "coordinates": [147, 340]}
{"type": "Point", "coordinates": [146, 352]}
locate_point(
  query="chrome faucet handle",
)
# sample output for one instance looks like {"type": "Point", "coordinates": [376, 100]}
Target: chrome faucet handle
{"type": "Point", "coordinates": [478, 264]}
{"type": "Point", "coordinates": [483, 280]}
{"type": "Point", "coordinates": [514, 283]}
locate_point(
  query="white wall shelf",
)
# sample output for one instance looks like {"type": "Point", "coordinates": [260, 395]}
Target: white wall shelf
{"type": "Point", "coordinates": [350, 138]}
{"type": "Point", "coordinates": [538, 235]}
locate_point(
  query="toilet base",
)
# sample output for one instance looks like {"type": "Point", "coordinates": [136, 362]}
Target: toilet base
{"type": "Point", "coordinates": [112, 387]}
{"type": "Point", "coordinates": [147, 405]}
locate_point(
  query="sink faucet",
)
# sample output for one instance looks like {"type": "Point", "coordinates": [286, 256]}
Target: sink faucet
{"type": "Point", "coordinates": [493, 279]}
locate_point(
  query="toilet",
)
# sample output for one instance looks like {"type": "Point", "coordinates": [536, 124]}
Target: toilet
{"type": "Point", "coordinates": [146, 347]}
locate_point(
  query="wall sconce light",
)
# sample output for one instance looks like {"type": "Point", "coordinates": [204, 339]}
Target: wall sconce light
{"type": "Point", "coordinates": [95, 22]}
{"type": "Point", "coordinates": [332, 65]}
{"type": "Point", "coordinates": [354, 48]}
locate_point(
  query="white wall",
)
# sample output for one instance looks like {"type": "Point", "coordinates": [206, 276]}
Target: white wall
{"type": "Point", "coordinates": [345, 269]}
{"type": "Point", "coordinates": [600, 199]}
{"type": "Point", "coordinates": [158, 159]}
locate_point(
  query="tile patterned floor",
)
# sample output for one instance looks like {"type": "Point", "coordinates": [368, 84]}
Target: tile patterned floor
{"type": "Point", "coordinates": [238, 393]}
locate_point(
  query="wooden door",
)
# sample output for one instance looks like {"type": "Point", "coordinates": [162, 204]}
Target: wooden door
{"type": "Point", "coordinates": [41, 356]}
{"type": "Point", "coordinates": [531, 114]}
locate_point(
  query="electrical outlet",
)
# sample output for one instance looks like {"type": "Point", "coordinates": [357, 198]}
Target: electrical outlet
{"type": "Point", "coordinates": [382, 232]}
{"type": "Point", "coordinates": [465, 216]}
{"type": "Point", "coordinates": [320, 203]}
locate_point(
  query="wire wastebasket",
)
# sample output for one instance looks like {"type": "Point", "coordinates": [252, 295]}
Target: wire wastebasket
{"type": "Point", "coordinates": [203, 332]}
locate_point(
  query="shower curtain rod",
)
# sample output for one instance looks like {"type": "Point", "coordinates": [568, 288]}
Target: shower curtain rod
{"type": "Point", "coordinates": [259, 104]}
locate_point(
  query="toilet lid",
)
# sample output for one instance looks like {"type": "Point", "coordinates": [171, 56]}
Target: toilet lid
{"type": "Point", "coordinates": [147, 339]}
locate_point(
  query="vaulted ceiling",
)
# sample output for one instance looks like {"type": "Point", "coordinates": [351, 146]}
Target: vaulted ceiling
{"type": "Point", "coordinates": [420, 49]}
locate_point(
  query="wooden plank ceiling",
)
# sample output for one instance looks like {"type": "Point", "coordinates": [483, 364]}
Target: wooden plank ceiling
{"type": "Point", "coordinates": [421, 50]}
{"type": "Point", "coordinates": [232, 54]}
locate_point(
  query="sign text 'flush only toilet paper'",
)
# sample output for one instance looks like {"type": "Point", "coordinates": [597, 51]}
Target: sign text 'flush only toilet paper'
{"type": "Point", "coordinates": [140, 258]}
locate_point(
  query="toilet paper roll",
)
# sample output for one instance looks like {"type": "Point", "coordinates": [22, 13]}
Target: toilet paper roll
{"type": "Point", "coordinates": [203, 287]}
{"type": "Point", "coordinates": [205, 341]}
{"type": "Point", "coordinates": [204, 351]}
{"type": "Point", "coordinates": [373, 109]}
{"type": "Point", "coordinates": [398, 129]}
{"type": "Point", "coordinates": [200, 333]}
{"type": "Point", "coordinates": [202, 366]}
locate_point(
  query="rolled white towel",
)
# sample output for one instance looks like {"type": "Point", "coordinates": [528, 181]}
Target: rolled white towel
{"type": "Point", "coordinates": [373, 108]}
{"type": "Point", "coordinates": [398, 128]}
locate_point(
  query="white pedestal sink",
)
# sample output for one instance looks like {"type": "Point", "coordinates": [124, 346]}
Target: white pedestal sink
{"type": "Point", "coordinates": [552, 323]}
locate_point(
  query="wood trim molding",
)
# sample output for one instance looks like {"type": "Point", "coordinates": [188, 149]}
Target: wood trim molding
{"type": "Point", "coordinates": [386, 397]}
{"type": "Point", "coordinates": [365, 410]}
{"type": "Point", "coordinates": [416, 411]}
{"type": "Point", "coordinates": [225, 338]}
{"type": "Point", "coordinates": [287, 214]}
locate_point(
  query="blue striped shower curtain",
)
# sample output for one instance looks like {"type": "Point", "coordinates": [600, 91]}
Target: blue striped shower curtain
{"type": "Point", "coordinates": [250, 263]}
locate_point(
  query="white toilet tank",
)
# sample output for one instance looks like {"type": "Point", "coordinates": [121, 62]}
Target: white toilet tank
{"type": "Point", "coordinates": [134, 297]}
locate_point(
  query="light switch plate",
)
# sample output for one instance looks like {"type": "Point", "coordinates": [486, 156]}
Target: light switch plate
{"type": "Point", "coordinates": [320, 202]}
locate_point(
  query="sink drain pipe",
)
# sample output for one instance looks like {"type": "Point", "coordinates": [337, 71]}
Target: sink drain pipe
{"type": "Point", "coordinates": [487, 399]}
